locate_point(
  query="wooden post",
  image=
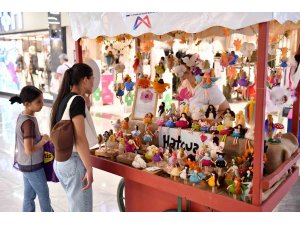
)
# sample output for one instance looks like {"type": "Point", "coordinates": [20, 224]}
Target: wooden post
{"type": "Point", "coordinates": [78, 49]}
{"type": "Point", "coordinates": [262, 53]}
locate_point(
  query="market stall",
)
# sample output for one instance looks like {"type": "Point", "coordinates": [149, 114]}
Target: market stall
{"type": "Point", "coordinates": [150, 192]}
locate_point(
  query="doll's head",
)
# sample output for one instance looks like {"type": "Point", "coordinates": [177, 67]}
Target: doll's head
{"type": "Point", "coordinates": [191, 158]}
{"type": "Point", "coordinates": [126, 119]}
{"type": "Point", "coordinates": [136, 127]}
{"type": "Point", "coordinates": [183, 115]}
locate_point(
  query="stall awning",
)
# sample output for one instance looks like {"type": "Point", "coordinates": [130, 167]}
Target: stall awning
{"type": "Point", "coordinates": [94, 24]}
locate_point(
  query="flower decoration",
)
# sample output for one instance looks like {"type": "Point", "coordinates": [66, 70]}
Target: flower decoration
{"type": "Point", "coordinates": [146, 96]}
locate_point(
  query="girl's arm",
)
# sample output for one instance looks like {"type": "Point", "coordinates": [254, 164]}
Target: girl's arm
{"type": "Point", "coordinates": [30, 148]}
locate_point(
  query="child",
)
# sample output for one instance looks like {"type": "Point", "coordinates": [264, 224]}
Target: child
{"type": "Point", "coordinates": [29, 153]}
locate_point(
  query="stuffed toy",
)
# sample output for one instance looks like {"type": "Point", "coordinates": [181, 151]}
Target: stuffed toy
{"type": "Point", "coordinates": [277, 98]}
{"type": "Point", "coordinates": [143, 81]}
{"type": "Point", "coordinates": [128, 83]}
{"type": "Point", "coordinates": [160, 86]}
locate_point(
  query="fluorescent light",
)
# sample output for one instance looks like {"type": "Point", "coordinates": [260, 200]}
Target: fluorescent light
{"type": "Point", "coordinates": [54, 22]}
{"type": "Point", "coordinates": [52, 18]}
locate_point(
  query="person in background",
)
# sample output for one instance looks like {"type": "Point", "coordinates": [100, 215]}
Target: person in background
{"type": "Point", "coordinates": [29, 152]}
{"type": "Point", "coordinates": [58, 77]}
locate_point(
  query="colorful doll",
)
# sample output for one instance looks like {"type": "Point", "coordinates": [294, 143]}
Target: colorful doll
{"type": "Point", "coordinates": [269, 127]}
{"type": "Point", "coordinates": [200, 153]}
{"type": "Point", "coordinates": [136, 132]}
{"type": "Point", "coordinates": [121, 146]}
{"type": "Point", "coordinates": [238, 132]}
{"type": "Point", "coordinates": [214, 129]}
{"type": "Point", "coordinates": [117, 125]}
{"type": "Point", "coordinates": [181, 156]}
{"type": "Point", "coordinates": [175, 172]}
{"type": "Point", "coordinates": [213, 181]}
{"type": "Point", "coordinates": [170, 122]}
{"type": "Point", "coordinates": [161, 109]}
{"type": "Point", "coordinates": [130, 145]}
{"type": "Point", "coordinates": [204, 126]}
{"type": "Point", "coordinates": [160, 86]}
{"type": "Point", "coordinates": [244, 83]}
{"type": "Point", "coordinates": [184, 174]}
{"type": "Point", "coordinates": [183, 122]}
{"type": "Point", "coordinates": [148, 136]}
{"type": "Point", "coordinates": [228, 117]}
{"type": "Point", "coordinates": [156, 157]}
{"type": "Point", "coordinates": [211, 112]}
{"type": "Point", "coordinates": [167, 153]}
{"type": "Point", "coordinates": [128, 84]}
{"type": "Point", "coordinates": [233, 171]}
{"type": "Point", "coordinates": [250, 117]}
{"type": "Point", "coordinates": [191, 162]}
{"type": "Point", "coordinates": [206, 162]}
{"type": "Point", "coordinates": [220, 162]}
{"type": "Point", "coordinates": [240, 118]}
{"type": "Point", "coordinates": [173, 159]}
{"type": "Point", "coordinates": [143, 81]}
{"type": "Point", "coordinates": [125, 125]}
{"type": "Point", "coordinates": [195, 176]}
{"type": "Point", "coordinates": [148, 119]}
{"type": "Point", "coordinates": [120, 92]}
{"type": "Point", "coordinates": [150, 152]}
{"type": "Point", "coordinates": [161, 121]}
{"type": "Point", "coordinates": [235, 187]}
{"type": "Point", "coordinates": [111, 143]}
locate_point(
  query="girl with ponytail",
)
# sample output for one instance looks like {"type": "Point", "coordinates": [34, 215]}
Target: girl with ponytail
{"type": "Point", "coordinates": [29, 152]}
{"type": "Point", "coordinates": [75, 174]}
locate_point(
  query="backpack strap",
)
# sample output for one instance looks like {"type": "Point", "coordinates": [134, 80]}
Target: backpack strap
{"type": "Point", "coordinates": [66, 115]}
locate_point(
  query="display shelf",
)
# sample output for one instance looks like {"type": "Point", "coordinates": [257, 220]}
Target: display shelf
{"type": "Point", "coordinates": [198, 196]}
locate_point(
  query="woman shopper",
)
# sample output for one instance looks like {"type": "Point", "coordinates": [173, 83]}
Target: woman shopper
{"type": "Point", "coordinates": [75, 174]}
{"type": "Point", "coordinates": [29, 153]}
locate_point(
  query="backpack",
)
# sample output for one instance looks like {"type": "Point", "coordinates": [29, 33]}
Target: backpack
{"type": "Point", "coordinates": [62, 135]}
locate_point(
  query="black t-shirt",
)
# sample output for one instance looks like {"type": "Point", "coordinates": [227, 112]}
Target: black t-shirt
{"type": "Point", "coordinates": [77, 106]}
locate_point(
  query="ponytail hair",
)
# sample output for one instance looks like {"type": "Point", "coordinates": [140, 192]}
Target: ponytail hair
{"type": "Point", "coordinates": [72, 76]}
{"type": "Point", "coordinates": [28, 94]}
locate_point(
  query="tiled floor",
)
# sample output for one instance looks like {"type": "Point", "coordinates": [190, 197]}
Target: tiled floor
{"type": "Point", "coordinates": [105, 184]}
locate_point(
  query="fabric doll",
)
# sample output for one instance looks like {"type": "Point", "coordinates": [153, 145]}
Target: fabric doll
{"type": "Point", "coordinates": [235, 187]}
{"type": "Point", "coordinates": [175, 172]}
{"type": "Point", "coordinates": [148, 136]}
{"type": "Point", "coordinates": [125, 124]}
{"type": "Point", "coordinates": [269, 127]}
{"type": "Point", "coordinates": [213, 181]}
{"type": "Point", "coordinates": [156, 157]}
{"type": "Point", "coordinates": [120, 92]}
{"type": "Point", "coordinates": [211, 112]}
{"type": "Point", "coordinates": [228, 117]}
{"type": "Point", "coordinates": [183, 121]}
{"type": "Point", "coordinates": [237, 133]}
{"type": "Point", "coordinates": [184, 174]}
{"type": "Point", "coordinates": [240, 118]}
{"type": "Point", "coordinates": [195, 176]}
{"type": "Point", "coordinates": [220, 162]}
{"type": "Point", "coordinates": [206, 162]}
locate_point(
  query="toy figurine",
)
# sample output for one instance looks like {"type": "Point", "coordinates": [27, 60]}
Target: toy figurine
{"type": "Point", "coordinates": [136, 132]}
{"type": "Point", "coordinates": [117, 125]}
{"type": "Point", "coordinates": [125, 125]}
{"type": "Point", "coordinates": [161, 120]}
{"type": "Point", "coordinates": [130, 145]}
{"type": "Point", "coordinates": [143, 81]}
{"type": "Point", "coordinates": [167, 153]}
{"type": "Point", "coordinates": [120, 92]}
{"type": "Point", "coordinates": [173, 158]}
{"type": "Point", "coordinates": [184, 174]}
{"type": "Point", "coordinates": [138, 162]}
{"type": "Point", "coordinates": [148, 119]}
{"type": "Point", "coordinates": [175, 172]}
{"type": "Point", "coordinates": [214, 129]}
{"type": "Point", "coordinates": [233, 171]}
{"type": "Point", "coordinates": [240, 118]}
{"type": "Point", "coordinates": [160, 86]}
{"type": "Point", "coordinates": [191, 162]}
{"type": "Point", "coordinates": [235, 187]}
{"type": "Point", "coordinates": [204, 126]}
{"type": "Point", "coordinates": [148, 136]}
{"type": "Point", "coordinates": [183, 121]}
{"type": "Point", "coordinates": [269, 127]}
{"type": "Point", "coordinates": [238, 132]}
{"type": "Point", "coordinates": [195, 176]}
{"type": "Point", "coordinates": [250, 117]}
{"type": "Point", "coordinates": [211, 112]}
{"type": "Point", "coordinates": [228, 117]}
{"type": "Point", "coordinates": [161, 109]}
{"type": "Point", "coordinates": [200, 153]}
{"type": "Point", "coordinates": [213, 181]}
{"type": "Point", "coordinates": [220, 162]}
{"type": "Point", "coordinates": [156, 157]}
{"type": "Point", "coordinates": [121, 146]}
{"type": "Point", "coordinates": [111, 142]}
{"type": "Point", "coordinates": [170, 122]}
{"type": "Point", "coordinates": [247, 189]}
{"type": "Point", "coordinates": [150, 152]}
{"type": "Point", "coordinates": [206, 161]}
{"type": "Point", "coordinates": [128, 84]}
{"type": "Point", "coordinates": [181, 156]}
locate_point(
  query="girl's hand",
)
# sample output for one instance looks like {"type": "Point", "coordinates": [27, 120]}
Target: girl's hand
{"type": "Point", "coordinates": [45, 138]}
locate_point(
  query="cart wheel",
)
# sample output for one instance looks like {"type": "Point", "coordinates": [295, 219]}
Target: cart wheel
{"type": "Point", "coordinates": [121, 195]}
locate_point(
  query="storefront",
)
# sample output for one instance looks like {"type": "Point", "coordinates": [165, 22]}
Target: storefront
{"type": "Point", "coordinates": [25, 51]}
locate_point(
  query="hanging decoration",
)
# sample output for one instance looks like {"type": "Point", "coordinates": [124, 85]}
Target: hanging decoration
{"type": "Point", "coordinates": [129, 99]}
{"type": "Point", "coordinates": [226, 31]}
{"type": "Point", "coordinates": [112, 44]}
{"type": "Point", "coordinates": [237, 44]}
{"type": "Point", "coordinates": [99, 39]}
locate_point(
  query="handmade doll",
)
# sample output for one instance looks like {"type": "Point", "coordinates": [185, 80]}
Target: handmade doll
{"type": "Point", "coordinates": [117, 125]}
{"type": "Point", "coordinates": [111, 143]}
{"type": "Point", "coordinates": [244, 83]}
{"type": "Point", "coordinates": [156, 157]}
{"type": "Point", "coordinates": [181, 155]}
{"type": "Point", "coordinates": [167, 153]}
{"type": "Point", "coordinates": [160, 86]}
{"type": "Point", "coordinates": [161, 121]}
{"type": "Point", "coordinates": [183, 122]}
{"type": "Point", "coordinates": [238, 132]}
{"type": "Point", "coordinates": [121, 146]}
{"type": "Point", "coordinates": [148, 119]}
{"type": "Point", "coordinates": [173, 158]}
{"type": "Point", "coordinates": [269, 127]}
{"type": "Point", "coordinates": [204, 126]}
{"type": "Point", "coordinates": [211, 112]}
{"type": "Point", "coordinates": [130, 145]}
{"type": "Point", "coordinates": [235, 187]}
{"type": "Point", "coordinates": [240, 118]}
{"type": "Point", "coordinates": [228, 117]}
{"type": "Point", "coordinates": [247, 175]}
{"type": "Point", "coordinates": [232, 58]}
{"type": "Point", "coordinates": [233, 171]}
{"type": "Point", "coordinates": [148, 136]}
{"type": "Point", "coordinates": [200, 153]}
{"type": "Point", "coordinates": [150, 152]}
{"type": "Point", "coordinates": [136, 132]}
{"type": "Point", "coordinates": [213, 181]}
{"type": "Point", "coordinates": [250, 117]}
{"type": "Point", "coordinates": [220, 162]}
{"type": "Point", "coordinates": [214, 129]}
{"type": "Point", "coordinates": [184, 174]}
{"type": "Point", "coordinates": [106, 136]}
{"type": "Point", "coordinates": [196, 176]}
{"type": "Point", "coordinates": [170, 122]}
{"type": "Point", "coordinates": [195, 126]}
{"type": "Point", "coordinates": [120, 92]}
{"type": "Point", "coordinates": [161, 109]}
{"type": "Point", "coordinates": [206, 162]}
{"type": "Point", "coordinates": [175, 172]}
{"type": "Point", "coordinates": [143, 81]}
{"type": "Point", "coordinates": [191, 162]}
{"type": "Point", "coordinates": [128, 84]}
{"type": "Point", "coordinates": [125, 125]}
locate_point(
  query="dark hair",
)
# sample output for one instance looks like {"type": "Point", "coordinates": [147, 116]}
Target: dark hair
{"type": "Point", "coordinates": [72, 76]}
{"type": "Point", "coordinates": [28, 94]}
{"type": "Point", "coordinates": [209, 110]}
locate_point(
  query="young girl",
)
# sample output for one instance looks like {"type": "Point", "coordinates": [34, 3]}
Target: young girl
{"type": "Point", "coordinates": [76, 174]}
{"type": "Point", "coordinates": [29, 153]}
